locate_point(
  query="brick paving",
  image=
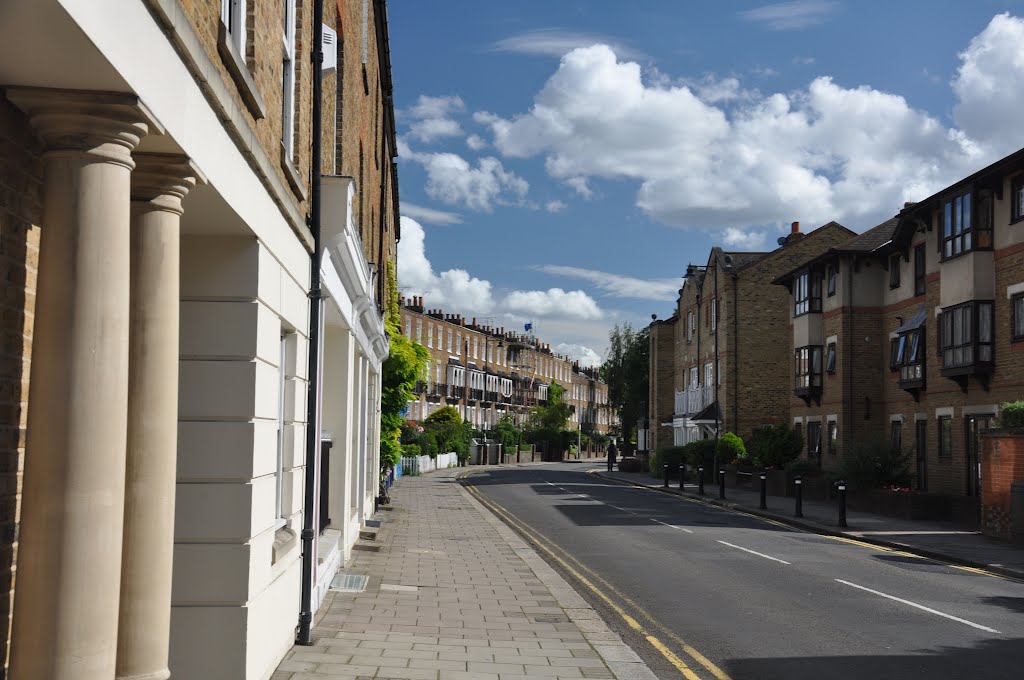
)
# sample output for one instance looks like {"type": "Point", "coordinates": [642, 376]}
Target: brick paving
{"type": "Point", "coordinates": [455, 595]}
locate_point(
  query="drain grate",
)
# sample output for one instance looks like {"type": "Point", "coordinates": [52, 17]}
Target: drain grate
{"type": "Point", "coordinates": [349, 583]}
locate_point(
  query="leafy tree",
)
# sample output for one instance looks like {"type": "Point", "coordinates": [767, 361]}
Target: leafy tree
{"type": "Point", "coordinates": [448, 431]}
{"type": "Point", "coordinates": [626, 372]}
{"type": "Point", "coordinates": [405, 364]}
{"type": "Point", "coordinates": [443, 416]}
{"type": "Point", "coordinates": [506, 432]}
{"type": "Point", "coordinates": [548, 422]}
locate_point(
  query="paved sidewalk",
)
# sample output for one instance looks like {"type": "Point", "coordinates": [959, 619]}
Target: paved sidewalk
{"type": "Point", "coordinates": [454, 594]}
{"type": "Point", "coordinates": [937, 540]}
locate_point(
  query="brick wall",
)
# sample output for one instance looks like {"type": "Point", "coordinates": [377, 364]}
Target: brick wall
{"type": "Point", "coordinates": [1002, 464]}
{"type": "Point", "coordinates": [663, 382]}
{"type": "Point", "coordinates": [20, 186]}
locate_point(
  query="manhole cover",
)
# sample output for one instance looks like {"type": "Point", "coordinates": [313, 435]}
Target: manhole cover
{"type": "Point", "coordinates": [349, 583]}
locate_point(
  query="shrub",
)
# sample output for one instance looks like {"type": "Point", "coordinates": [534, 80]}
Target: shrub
{"type": "Point", "coordinates": [804, 468]}
{"type": "Point", "coordinates": [874, 463]}
{"type": "Point", "coordinates": [1012, 414]}
{"type": "Point", "coordinates": [701, 452]}
{"type": "Point", "coordinates": [731, 449]}
{"type": "Point", "coordinates": [775, 446]}
{"type": "Point", "coordinates": [673, 455]}
{"type": "Point", "coordinates": [629, 464]}
{"type": "Point", "coordinates": [428, 444]}
{"type": "Point", "coordinates": [411, 450]}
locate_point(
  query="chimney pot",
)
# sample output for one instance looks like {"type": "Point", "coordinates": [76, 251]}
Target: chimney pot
{"type": "Point", "coordinates": [907, 204]}
{"type": "Point", "coordinates": [795, 228]}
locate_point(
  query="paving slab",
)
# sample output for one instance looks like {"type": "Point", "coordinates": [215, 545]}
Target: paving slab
{"type": "Point", "coordinates": [454, 594]}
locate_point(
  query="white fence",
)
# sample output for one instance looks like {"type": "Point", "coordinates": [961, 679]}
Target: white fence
{"type": "Point", "coordinates": [418, 465]}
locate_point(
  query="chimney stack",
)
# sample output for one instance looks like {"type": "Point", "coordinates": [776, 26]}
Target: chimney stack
{"type": "Point", "coordinates": [795, 228]}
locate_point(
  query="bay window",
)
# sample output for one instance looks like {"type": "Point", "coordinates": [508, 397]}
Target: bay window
{"type": "Point", "coordinates": [966, 333]}
{"type": "Point", "coordinates": [806, 293]}
{"type": "Point", "coordinates": [966, 223]}
{"type": "Point", "coordinates": [807, 370]}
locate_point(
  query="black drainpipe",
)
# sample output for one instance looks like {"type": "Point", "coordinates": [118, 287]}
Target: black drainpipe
{"type": "Point", "coordinates": [304, 637]}
{"type": "Point", "coordinates": [848, 410]}
{"type": "Point", "coordinates": [735, 352]}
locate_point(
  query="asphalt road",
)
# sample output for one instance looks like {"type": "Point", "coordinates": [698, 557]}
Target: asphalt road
{"type": "Point", "coordinates": [703, 592]}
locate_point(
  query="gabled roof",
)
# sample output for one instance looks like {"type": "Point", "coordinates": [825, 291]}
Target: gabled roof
{"type": "Point", "coordinates": [872, 239]}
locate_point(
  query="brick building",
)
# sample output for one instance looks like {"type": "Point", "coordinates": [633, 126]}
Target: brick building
{"type": "Point", "coordinates": [155, 171]}
{"type": "Point", "coordinates": [487, 372]}
{"type": "Point", "coordinates": [722, 355]}
{"type": "Point", "coordinates": [912, 331]}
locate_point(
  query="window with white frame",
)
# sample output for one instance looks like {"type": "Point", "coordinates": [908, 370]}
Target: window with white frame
{"type": "Point", "coordinates": [288, 81]}
{"type": "Point", "coordinates": [282, 382]}
{"type": "Point", "coordinates": [233, 14]}
{"type": "Point", "coordinates": [709, 373]}
{"type": "Point", "coordinates": [449, 341]}
{"type": "Point", "coordinates": [476, 346]}
{"type": "Point", "coordinates": [691, 325]}
{"type": "Point", "coordinates": [458, 343]}
{"type": "Point", "coordinates": [430, 335]}
{"type": "Point", "coordinates": [419, 330]}
{"type": "Point", "coordinates": [408, 327]}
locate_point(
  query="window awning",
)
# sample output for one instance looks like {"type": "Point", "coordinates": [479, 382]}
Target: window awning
{"type": "Point", "coordinates": [710, 413]}
{"type": "Point", "coordinates": [914, 322]}
{"type": "Point", "coordinates": [452, 361]}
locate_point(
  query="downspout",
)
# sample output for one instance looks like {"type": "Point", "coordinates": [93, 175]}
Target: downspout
{"type": "Point", "coordinates": [304, 637]}
{"type": "Point", "coordinates": [735, 352]}
{"type": "Point", "coordinates": [848, 406]}
{"type": "Point", "coordinates": [718, 409]}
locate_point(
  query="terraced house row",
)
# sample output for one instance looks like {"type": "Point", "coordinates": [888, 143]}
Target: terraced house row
{"type": "Point", "coordinates": [912, 331]}
{"type": "Point", "coordinates": [487, 372]}
{"type": "Point", "coordinates": [184, 322]}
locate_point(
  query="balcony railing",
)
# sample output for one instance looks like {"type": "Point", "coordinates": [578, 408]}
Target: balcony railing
{"type": "Point", "coordinates": [694, 400]}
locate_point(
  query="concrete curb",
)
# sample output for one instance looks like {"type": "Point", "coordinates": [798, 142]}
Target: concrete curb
{"type": "Point", "coordinates": [818, 528]}
{"type": "Point", "coordinates": [620, 659]}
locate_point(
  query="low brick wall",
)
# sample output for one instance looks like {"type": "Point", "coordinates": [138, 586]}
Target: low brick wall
{"type": "Point", "coordinates": [1002, 464]}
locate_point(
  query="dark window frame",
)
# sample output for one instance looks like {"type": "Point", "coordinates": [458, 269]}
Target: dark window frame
{"type": "Point", "coordinates": [894, 270]}
{"type": "Point", "coordinates": [830, 358]}
{"type": "Point", "coordinates": [965, 224]}
{"type": "Point", "coordinates": [1017, 317]}
{"type": "Point", "coordinates": [806, 293]}
{"type": "Point", "coordinates": [907, 355]}
{"type": "Point", "coordinates": [833, 436]}
{"type": "Point", "coordinates": [920, 270]}
{"type": "Point", "coordinates": [814, 442]}
{"type": "Point", "coordinates": [1017, 199]}
{"type": "Point", "coordinates": [807, 367]}
{"type": "Point", "coordinates": [896, 435]}
{"type": "Point", "coordinates": [830, 280]}
{"type": "Point", "coordinates": [945, 438]}
{"type": "Point", "coordinates": [973, 343]}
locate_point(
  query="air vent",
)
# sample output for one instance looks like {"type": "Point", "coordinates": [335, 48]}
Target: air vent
{"type": "Point", "coordinates": [329, 45]}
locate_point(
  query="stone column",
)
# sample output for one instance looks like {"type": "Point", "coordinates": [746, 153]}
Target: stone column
{"type": "Point", "coordinates": [72, 513]}
{"type": "Point", "coordinates": [159, 183]}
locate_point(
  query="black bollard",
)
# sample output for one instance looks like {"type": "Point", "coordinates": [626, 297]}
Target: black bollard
{"type": "Point", "coordinates": [700, 479]}
{"type": "Point", "coordinates": [842, 504]}
{"type": "Point", "coordinates": [682, 476]}
{"type": "Point", "coordinates": [799, 496]}
{"type": "Point", "coordinates": [664, 475]}
{"type": "Point", "coordinates": [764, 491]}
{"type": "Point", "coordinates": [721, 483]}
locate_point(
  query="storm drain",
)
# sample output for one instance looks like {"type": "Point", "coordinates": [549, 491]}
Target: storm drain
{"type": "Point", "coordinates": [349, 583]}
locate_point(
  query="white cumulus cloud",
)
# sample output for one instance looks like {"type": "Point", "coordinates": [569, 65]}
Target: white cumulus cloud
{"type": "Point", "coordinates": [618, 285]}
{"type": "Point", "coordinates": [553, 302]}
{"type": "Point", "coordinates": [453, 180]}
{"type": "Point", "coordinates": [712, 155]}
{"type": "Point", "coordinates": [581, 353]}
{"type": "Point", "coordinates": [430, 118]}
{"type": "Point", "coordinates": [555, 206]}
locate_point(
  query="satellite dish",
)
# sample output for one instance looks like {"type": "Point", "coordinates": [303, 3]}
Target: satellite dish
{"type": "Point", "coordinates": [781, 241]}
{"type": "Point", "coordinates": [728, 260]}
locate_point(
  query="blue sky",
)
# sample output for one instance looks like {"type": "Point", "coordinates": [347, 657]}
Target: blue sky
{"type": "Point", "coordinates": [561, 162]}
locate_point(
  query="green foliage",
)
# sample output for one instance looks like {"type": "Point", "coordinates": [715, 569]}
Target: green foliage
{"type": "Point", "coordinates": [701, 452]}
{"type": "Point", "coordinates": [411, 449]}
{"type": "Point", "coordinates": [506, 432]}
{"type": "Point", "coordinates": [673, 455]}
{"type": "Point", "coordinates": [1011, 414]}
{"type": "Point", "coordinates": [804, 468]}
{"type": "Point", "coordinates": [428, 444]}
{"type": "Point", "coordinates": [626, 371]}
{"type": "Point", "coordinates": [405, 364]}
{"type": "Point", "coordinates": [731, 449]}
{"type": "Point", "coordinates": [874, 463]}
{"type": "Point", "coordinates": [445, 415]}
{"type": "Point", "coordinates": [775, 446]}
{"type": "Point", "coordinates": [548, 421]}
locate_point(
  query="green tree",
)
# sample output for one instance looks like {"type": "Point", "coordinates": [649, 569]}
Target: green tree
{"type": "Point", "coordinates": [406, 363]}
{"type": "Point", "coordinates": [731, 448]}
{"type": "Point", "coordinates": [506, 432]}
{"type": "Point", "coordinates": [626, 371]}
{"type": "Point", "coordinates": [548, 422]}
{"type": "Point", "coordinates": [446, 427]}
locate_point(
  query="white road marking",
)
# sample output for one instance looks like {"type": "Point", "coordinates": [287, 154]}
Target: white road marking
{"type": "Point", "coordinates": [922, 607]}
{"type": "Point", "coordinates": [673, 526]}
{"type": "Point", "coordinates": [754, 552]}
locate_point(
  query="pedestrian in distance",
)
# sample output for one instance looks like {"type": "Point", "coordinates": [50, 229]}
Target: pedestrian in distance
{"type": "Point", "coordinates": [612, 451]}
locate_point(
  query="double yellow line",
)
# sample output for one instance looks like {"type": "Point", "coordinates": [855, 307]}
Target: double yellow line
{"type": "Point", "coordinates": [592, 581]}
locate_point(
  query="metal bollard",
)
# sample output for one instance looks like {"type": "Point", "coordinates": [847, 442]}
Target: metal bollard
{"type": "Point", "coordinates": [764, 491]}
{"type": "Point", "coordinates": [721, 483]}
{"type": "Point", "coordinates": [664, 475]}
{"type": "Point", "coordinates": [842, 504]}
{"type": "Point", "coordinates": [799, 496]}
{"type": "Point", "coordinates": [682, 476]}
{"type": "Point", "coordinates": [700, 479]}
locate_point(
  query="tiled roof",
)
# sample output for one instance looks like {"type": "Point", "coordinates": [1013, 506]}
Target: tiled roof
{"type": "Point", "coordinates": [742, 259]}
{"type": "Point", "coordinates": [872, 239]}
